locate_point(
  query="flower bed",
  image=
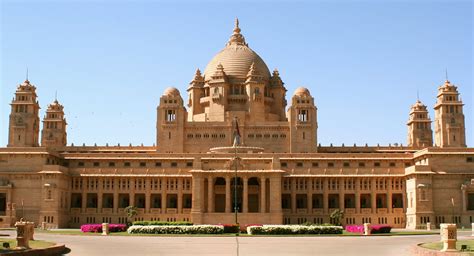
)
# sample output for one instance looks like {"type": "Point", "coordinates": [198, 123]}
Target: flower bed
{"type": "Point", "coordinates": [182, 229]}
{"type": "Point", "coordinates": [375, 229]}
{"type": "Point", "coordinates": [97, 228]}
{"type": "Point", "coordinates": [162, 223]}
{"type": "Point", "coordinates": [231, 228]}
{"type": "Point", "coordinates": [292, 230]}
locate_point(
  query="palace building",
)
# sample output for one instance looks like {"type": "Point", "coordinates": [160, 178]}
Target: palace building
{"type": "Point", "coordinates": [277, 174]}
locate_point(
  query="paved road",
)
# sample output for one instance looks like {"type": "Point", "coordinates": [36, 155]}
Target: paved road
{"type": "Point", "coordinates": [180, 245]}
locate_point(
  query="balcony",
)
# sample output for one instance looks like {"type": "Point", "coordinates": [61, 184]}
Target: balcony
{"type": "Point", "coordinates": [382, 210]}
{"type": "Point", "coordinates": [155, 210]}
{"type": "Point", "coordinates": [318, 211]}
{"type": "Point", "coordinates": [302, 211]}
{"type": "Point", "coordinates": [349, 210]}
{"type": "Point", "coordinates": [171, 210]}
{"type": "Point", "coordinates": [397, 210]}
{"type": "Point", "coordinates": [366, 210]}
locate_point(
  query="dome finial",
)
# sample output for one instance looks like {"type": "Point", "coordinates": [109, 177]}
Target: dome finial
{"type": "Point", "coordinates": [236, 37]}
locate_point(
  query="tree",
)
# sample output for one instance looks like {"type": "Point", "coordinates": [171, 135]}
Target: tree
{"type": "Point", "coordinates": [336, 216]}
{"type": "Point", "coordinates": [131, 212]}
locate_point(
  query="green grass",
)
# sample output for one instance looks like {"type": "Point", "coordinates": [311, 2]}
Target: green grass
{"type": "Point", "coordinates": [439, 245]}
{"type": "Point", "coordinates": [36, 244]}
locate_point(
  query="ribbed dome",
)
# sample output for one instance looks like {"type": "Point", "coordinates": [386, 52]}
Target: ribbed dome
{"type": "Point", "coordinates": [236, 58]}
{"type": "Point", "coordinates": [171, 91]}
{"type": "Point", "coordinates": [302, 91]}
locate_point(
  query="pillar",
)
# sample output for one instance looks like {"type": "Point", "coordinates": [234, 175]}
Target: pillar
{"type": "Point", "coordinates": [245, 201]}
{"type": "Point", "coordinates": [210, 194]}
{"type": "Point", "coordinates": [132, 192]}
{"type": "Point", "coordinates": [180, 195]}
{"type": "Point", "coordinates": [196, 199]}
{"type": "Point", "coordinates": [373, 196]}
{"type": "Point", "coordinates": [389, 195]}
{"type": "Point", "coordinates": [84, 194]}
{"type": "Point", "coordinates": [325, 196]}
{"type": "Point", "coordinates": [100, 195]}
{"type": "Point", "coordinates": [116, 195]}
{"type": "Point", "coordinates": [227, 195]}
{"type": "Point", "coordinates": [275, 194]}
{"type": "Point", "coordinates": [309, 196]}
{"type": "Point", "coordinates": [293, 195]}
{"type": "Point", "coordinates": [147, 195]}
{"type": "Point", "coordinates": [263, 198]}
{"type": "Point", "coordinates": [357, 195]}
{"type": "Point", "coordinates": [341, 194]}
{"type": "Point", "coordinates": [164, 190]}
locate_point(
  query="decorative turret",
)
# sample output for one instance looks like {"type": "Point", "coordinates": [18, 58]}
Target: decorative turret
{"type": "Point", "coordinates": [419, 126]}
{"type": "Point", "coordinates": [24, 117]}
{"type": "Point", "coordinates": [277, 92]}
{"type": "Point", "coordinates": [195, 92]}
{"type": "Point", "coordinates": [54, 126]}
{"type": "Point", "coordinates": [253, 76]}
{"type": "Point", "coordinates": [302, 115]}
{"type": "Point", "coordinates": [449, 117]}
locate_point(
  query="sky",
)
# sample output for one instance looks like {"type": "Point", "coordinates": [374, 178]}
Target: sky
{"type": "Point", "coordinates": [110, 61]}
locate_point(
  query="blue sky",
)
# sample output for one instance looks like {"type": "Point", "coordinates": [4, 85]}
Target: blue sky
{"type": "Point", "coordinates": [110, 62]}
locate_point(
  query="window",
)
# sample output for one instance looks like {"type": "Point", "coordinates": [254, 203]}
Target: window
{"type": "Point", "coordinates": [361, 164]}
{"type": "Point", "coordinates": [111, 164]}
{"type": "Point", "coordinates": [126, 164]}
{"type": "Point", "coordinates": [80, 164]}
{"type": "Point", "coordinates": [330, 164]}
{"type": "Point", "coordinates": [470, 159]}
{"type": "Point", "coordinates": [142, 164]}
{"type": "Point", "coordinates": [170, 115]}
{"type": "Point", "coordinates": [284, 164]}
{"type": "Point", "coordinates": [315, 164]}
{"type": "Point", "coordinates": [158, 164]}
{"type": "Point", "coordinates": [303, 115]}
{"type": "Point", "coordinates": [96, 164]}
{"type": "Point", "coordinates": [189, 164]}
{"type": "Point", "coordinates": [299, 164]}
{"type": "Point", "coordinates": [392, 164]}
{"type": "Point", "coordinates": [377, 164]}
{"type": "Point", "coordinates": [346, 164]}
{"type": "Point", "coordinates": [174, 164]}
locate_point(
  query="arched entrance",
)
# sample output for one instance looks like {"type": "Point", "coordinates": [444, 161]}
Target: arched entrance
{"type": "Point", "coordinates": [253, 194]}
{"type": "Point", "coordinates": [239, 189]}
{"type": "Point", "coordinates": [219, 194]}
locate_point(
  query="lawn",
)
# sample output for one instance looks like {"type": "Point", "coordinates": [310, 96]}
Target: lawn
{"type": "Point", "coordinates": [36, 244]}
{"type": "Point", "coordinates": [439, 245]}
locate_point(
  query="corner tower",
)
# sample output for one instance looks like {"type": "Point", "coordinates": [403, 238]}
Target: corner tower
{"type": "Point", "coordinates": [302, 116]}
{"type": "Point", "coordinates": [171, 118]}
{"type": "Point", "coordinates": [449, 117]}
{"type": "Point", "coordinates": [54, 126]}
{"type": "Point", "coordinates": [23, 130]}
{"type": "Point", "coordinates": [419, 126]}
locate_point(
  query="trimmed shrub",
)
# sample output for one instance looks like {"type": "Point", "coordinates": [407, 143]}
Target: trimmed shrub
{"type": "Point", "coordinates": [162, 223]}
{"type": "Point", "coordinates": [231, 228]}
{"type": "Point", "coordinates": [97, 228]}
{"type": "Point", "coordinates": [243, 228]}
{"type": "Point", "coordinates": [182, 229]}
{"type": "Point", "coordinates": [375, 229]}
{"type": "Point", "coordinates": [293, 230]}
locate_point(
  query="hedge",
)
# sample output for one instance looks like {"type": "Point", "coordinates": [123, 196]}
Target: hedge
{"type": "Point", "coordinates": [231, 228]}
{"type": "Point", "coordinates": [162, 223]}
{"type": "Point", "coordinates": [97, 228]}
{"type": "Point", "coordinates": [182, 229]}
{"type": "Point", "coordinates": [292, 230]}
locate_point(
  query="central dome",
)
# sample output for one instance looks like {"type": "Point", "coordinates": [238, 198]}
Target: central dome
{"type": "Point", "coordinates": [236, 58]}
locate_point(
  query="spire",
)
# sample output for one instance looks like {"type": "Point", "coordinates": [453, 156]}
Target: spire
{"type": "Point", "coordinates": [236, 38]}
{"type": "Point", "coordinates": [26, 81]}
{"type": "Point", "coordinates": [447, 75]}
{"type": "Point", "coordinates": [56, 97]}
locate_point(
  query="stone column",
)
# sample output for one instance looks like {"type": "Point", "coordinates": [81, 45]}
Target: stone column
{"type": "Point", "coordinates": [389, 195]}
{"type": "Point", "coordinates": [180, 195]}
{"type": "Point", "coordinates": [22, 237]}
{"type": "Point", "coordinates": [147, 195]}
{"type": "Point", "coordinates": [116, 195]}
{"type": "Point", "coordinates": [309, 196]}
{"type": "Point", "coordinates": [132, 191]}
{"type": "Point", "coordinates": [357, 195]}
{"type": "Point", "coordinates": [196, 200]}
{"type": "Point", "coordinates": [245, 201]}
{"type": "Point", "coordinates": [275, 194]}
{"type": "Point", "coordinates": [164, 190]}
{"type": "Point", "coordinates": [464, 203]}
{"type": "Point", "coordinates": [263, 190]}
{"type": "Point", "coordinates": [84, 194]}
{"type": "Point", "coordinates": [373, 196]}
{"type": "Point", "coordinates": [100, 195]}
{"type": "Point", "coordinates": [293, 195]}
{"type": "Point", "coordinates": [341, 193]}
{"type": "Point", "coordinates": [325, 195]}
{"type": "Point", "coordinates": [210, 194]}
{"type": "Point", "coordinates": [228, 197]}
